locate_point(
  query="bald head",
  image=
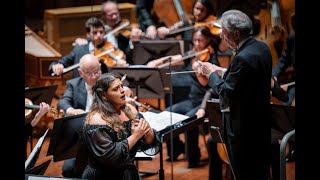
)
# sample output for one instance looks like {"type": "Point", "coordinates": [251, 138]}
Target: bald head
{"type": "Point", "coordinates": [88, 61]}
{"type": "Point", "coordinates": [89, 69]}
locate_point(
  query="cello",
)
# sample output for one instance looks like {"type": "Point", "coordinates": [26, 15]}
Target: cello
{"type": "Point", "coordinates": [272, 30]}
{"type": "Point", "coordinates": [179, 10]}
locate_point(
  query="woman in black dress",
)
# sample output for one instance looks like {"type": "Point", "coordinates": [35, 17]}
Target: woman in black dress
{"type": "Point", "coordinates": [113, 132]}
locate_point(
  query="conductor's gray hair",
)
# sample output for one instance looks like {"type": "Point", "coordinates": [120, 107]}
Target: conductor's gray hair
{"type": "Point", "coordinates": [235, 20]}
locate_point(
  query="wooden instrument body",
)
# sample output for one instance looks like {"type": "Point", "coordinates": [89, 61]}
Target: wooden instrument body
{"type": "Point", "coordinates": [275, 25]}
{"type": "Point", "coordinates": [167, 12]}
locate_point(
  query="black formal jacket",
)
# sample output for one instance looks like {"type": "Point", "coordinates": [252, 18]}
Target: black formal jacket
{"type": "Point", "coordinates": [75, 95]}
{"type": "Point", "coordinates": [245, 90]}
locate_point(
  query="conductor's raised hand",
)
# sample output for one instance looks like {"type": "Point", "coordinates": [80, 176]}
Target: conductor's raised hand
{"type": "Point", "coordinates": [206, 68]}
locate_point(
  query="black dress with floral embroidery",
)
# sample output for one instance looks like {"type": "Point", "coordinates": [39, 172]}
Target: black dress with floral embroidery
{"type": "Point", "coordinates": [108, 153]}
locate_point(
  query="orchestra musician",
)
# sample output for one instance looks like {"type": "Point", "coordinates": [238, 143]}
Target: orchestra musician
{"type": "Point", "coordinates": [202, 12]}
{"type": "Point", "coordinates": [116, 32]}
{"type": "Point", "coordinates": [148, 21]}
{"type": "Point", "coordinates": [202, 39]}
{"type": "Point", "coordinates": [95, 30]}
{"type": "Point", "coordinates": [77, 99]}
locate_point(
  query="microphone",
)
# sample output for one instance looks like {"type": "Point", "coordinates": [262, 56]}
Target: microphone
{"type": "Point", "coordinates": [225, 150]}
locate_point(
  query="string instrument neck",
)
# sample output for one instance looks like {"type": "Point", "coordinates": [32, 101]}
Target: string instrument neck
{"type": "Point", "coordinates": [122, 25]}
{"type": "Point", "coordinates": [210, 22]}
{"type": "Point", "coordinates": [32, 106]}
{"type": "Point", "coordinates": [188, 55]}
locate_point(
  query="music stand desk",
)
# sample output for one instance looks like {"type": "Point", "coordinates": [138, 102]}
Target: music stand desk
{"type": "Point", "coordinates": [145, 51]}
{"type": "Point", "coordinates": [40, 94]}
{"type": "Point", "coordinates": [183, 123]}
{"type": "Point", "coordinates": [39, 177]}
{"type": "Point", "coordinates": [144, 82]}
{"type": "Point", "coordinates": [140, 156]}
{"type": "Point", "coordinates": [65, 137]}
{"type": "Point", "coordinates": [40, 169]}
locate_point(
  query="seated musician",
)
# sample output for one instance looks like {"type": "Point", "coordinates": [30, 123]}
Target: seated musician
{"type": "Point", "coordinates": [202, 39]}
{"type": "Point", "coordinates": [148, 20]}
{"type": "Point", "coordinates": [202, 12]}
{"type": "Point", "coordinates": [77, 99]}
{"type": "Point", "coordinates": [117, 33]}
{"type": "Point", "coordinates": [95, 30]}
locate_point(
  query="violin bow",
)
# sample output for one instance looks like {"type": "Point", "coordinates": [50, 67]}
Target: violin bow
{"type": "Point", "coordinates": [184, 58]}
{"type": "Point", "coordinates": [117, 29]}
{"type": "Point", "coordinates": [65, 70]}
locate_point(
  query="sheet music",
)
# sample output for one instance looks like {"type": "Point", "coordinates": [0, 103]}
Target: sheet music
{"type": "Point", "coordinates": [143, 155]}
{"type": "Point", "coordinates": [49, 178]}
{"type": "Point", "coordinates": [160, 121]}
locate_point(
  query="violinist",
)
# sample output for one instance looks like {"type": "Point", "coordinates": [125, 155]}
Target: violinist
{"type": "Point", "coordinates": [116, 32]}
{"type": "Point", "coordinates": [95, 30]}
{"type": "Point", "coordinates": [202, 11]}
{"type": "Point", "coordinates": [202, 39]}
{"type": "Point", "coordinates": [111, 14]}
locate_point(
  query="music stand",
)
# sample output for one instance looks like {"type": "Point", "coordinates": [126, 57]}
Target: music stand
{"type": "Point", "coordinates": [40, 94]}
{"type": "Point", "coordinates": [147, 50]}
{"type": "Point", "coordinates": [32, 159]}
{"type": "Point", "coordinates": [282, 119]}
{"type": "Point", "coordinates": [65, 137]}
{"type": "Point", "coordinates": [143, 81]}
{"type": "Point", "coordinates": [40, 169]}
{"type": "Point", "coordinates": [215, 118]}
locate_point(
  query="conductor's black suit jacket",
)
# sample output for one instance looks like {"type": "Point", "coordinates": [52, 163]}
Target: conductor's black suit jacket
{"type": "Point", "coordinates": [244, 92]}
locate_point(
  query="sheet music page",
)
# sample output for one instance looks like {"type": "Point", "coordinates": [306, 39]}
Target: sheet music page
{"type": "Point", "coordinates": [159, 121]}
{"type": "Point", "coordinates": [142, 155]}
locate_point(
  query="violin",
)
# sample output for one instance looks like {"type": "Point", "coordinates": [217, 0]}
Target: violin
{"type": "Point", "coordinates": [167, 60]}
{"type": "Point", "coordinates": [123, 27]}
{"type": "Point", "coordinates": [204, 57]}
{"type": "Point", "coordinates": [110, 58]}
{"type": "Point", "coordinates": [210, 22]}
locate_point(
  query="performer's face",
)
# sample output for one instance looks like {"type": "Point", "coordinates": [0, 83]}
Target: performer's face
{"type": "Point", "coordinates": [116, 93]}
